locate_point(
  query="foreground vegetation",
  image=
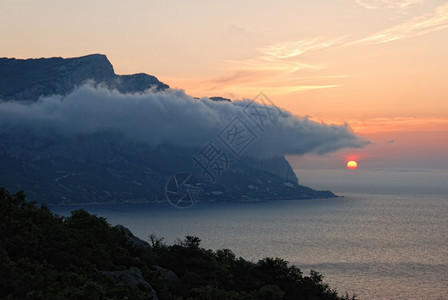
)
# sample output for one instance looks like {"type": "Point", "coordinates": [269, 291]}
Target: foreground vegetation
{"type": "Point", "coordinates": [45, 256]}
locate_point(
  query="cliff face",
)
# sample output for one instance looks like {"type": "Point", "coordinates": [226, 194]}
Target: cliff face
{"type": "Point", "coordinates": [105, 166]}
{"type": "Point", "coordinates": [29, 79]}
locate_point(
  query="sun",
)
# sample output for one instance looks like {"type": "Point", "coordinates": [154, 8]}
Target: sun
{"type": "Point", "coordinates": [352, 165]}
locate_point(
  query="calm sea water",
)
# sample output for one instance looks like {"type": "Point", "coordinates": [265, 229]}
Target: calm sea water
{"type": "Point", "coordinates": [379, 246]}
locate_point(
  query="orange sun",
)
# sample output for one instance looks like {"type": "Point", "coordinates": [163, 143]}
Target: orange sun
{"type": "Point", "coordinates": [352, 165]}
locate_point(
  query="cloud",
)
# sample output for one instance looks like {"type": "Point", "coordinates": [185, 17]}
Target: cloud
{"type": "Point", "coordinates": [400, 124]}
{"type": "Point", "coordinates": [292, 135]}
{"type": "Point", "coordinates": [277, 62]}
{"type": "Point", "coordinates": [240, 77]}
{"type": "Point", "coordinates": [170, 117]}
{"type": "Point", "coordinates": [274, 65]}
{"type": "Point", "coordinates": [417, 26]}
{"type": "Point", "coordinates": [396, 4]}
{"type": "Point", "coordinates": [284, 57]}
{"type": "Point", "coordinates": [289, 50]}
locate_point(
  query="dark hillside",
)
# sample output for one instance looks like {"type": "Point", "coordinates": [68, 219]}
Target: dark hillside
{"type": "Point", "coordinates": [44, 256]}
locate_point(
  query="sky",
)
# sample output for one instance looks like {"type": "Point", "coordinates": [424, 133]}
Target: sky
{"type": "Point", "coordinates": [378, 65]}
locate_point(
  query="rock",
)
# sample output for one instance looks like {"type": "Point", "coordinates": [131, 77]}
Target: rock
{"type": "Point", "coordinates": [275, 165]}
{"type": "Point", "coordinates": [217, 99]}
{"type": "Point", "coordinates": [166, 274]}
{"type": "Point", "coordinates": [288, 184]}
{"type": "Point", "coordinates": [136, 83]}
{"type": "Point", "coordinates": [132, 239]}
{"type": "Point", "coordinates": [133, 277]}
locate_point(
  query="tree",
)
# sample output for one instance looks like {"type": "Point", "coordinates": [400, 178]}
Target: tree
{"type": "Point", "coordinates": [156, 242]}
{"type": "Point", "coordinates": [191, 242]}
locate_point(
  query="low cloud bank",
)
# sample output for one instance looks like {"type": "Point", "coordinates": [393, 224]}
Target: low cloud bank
{"type": "Point", "coordinates": [172, 117]}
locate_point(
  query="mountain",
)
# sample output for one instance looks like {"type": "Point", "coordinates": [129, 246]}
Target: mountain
{"type": "Point", "coordinates": [28, 79]}
{"type": "Point", "coordinates": [106, 166]}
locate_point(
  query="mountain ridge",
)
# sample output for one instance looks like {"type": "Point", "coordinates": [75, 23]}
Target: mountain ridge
{"type": "Point", "coordinates": [29, 79]}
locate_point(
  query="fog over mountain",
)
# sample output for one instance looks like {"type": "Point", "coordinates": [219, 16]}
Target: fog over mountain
{"type": "Point", "coordinates": [170, 117]}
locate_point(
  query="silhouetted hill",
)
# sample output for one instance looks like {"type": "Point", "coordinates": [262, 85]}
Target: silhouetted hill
{"type": "Point", "coordinates": [45, 256]}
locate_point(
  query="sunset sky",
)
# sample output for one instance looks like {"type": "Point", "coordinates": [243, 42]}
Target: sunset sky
{"type": "Point", "coordinates": [379, 65]}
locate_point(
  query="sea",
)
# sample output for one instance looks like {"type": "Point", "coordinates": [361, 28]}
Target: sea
{"type": "Point", "coordinates": [385, 237]}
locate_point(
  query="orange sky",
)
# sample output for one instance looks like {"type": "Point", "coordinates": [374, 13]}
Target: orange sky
{"type": "Point", "coordinates": [380, 65]}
